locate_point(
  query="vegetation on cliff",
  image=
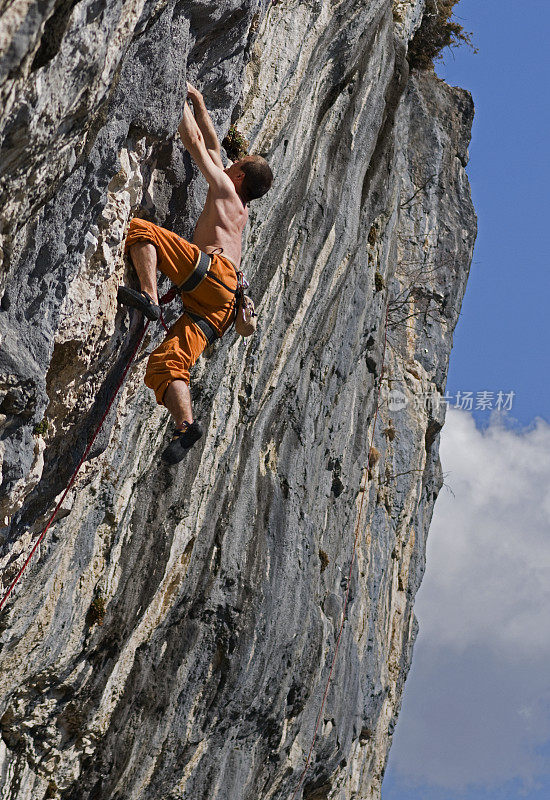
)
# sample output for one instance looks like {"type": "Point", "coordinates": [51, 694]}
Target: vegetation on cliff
{"type": "Point", "coordinates": [439, 29]}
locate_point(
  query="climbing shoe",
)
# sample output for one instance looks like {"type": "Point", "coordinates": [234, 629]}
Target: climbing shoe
{"type": "Point", "coordinates": [182, 440]}
{"type": "Point", "coordinates": [140, 300]}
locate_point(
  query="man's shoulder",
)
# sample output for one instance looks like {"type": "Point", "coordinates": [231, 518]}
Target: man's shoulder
{"type": "Point", "coordinates": [224, 186]}
{"type": "Point", "coordinates": [229, 197]}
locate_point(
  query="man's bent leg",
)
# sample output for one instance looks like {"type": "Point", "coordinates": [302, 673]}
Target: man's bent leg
{"type": "Point", "coordinates": [167, 372]}
{"type": "Point", "coordinates": [177, 400]}
{"type": "Point", "coordinates": [175, 256]}
{"type": "Point", "coordinates": [144, 259]}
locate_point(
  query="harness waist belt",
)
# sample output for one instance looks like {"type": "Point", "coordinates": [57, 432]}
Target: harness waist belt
{"type": "Point", "coordinates": [204, 325]}
{"type": "Point", "coordinates": [198, 275]}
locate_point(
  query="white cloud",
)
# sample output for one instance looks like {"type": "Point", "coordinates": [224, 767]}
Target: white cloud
{"type": "Point", "coordinates": [477, 703]}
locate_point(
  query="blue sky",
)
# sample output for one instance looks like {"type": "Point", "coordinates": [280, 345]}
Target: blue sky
{"type": "Point", "coordinates": [502, 340]}
{"type": "Point", "coordinates": [475, 722]}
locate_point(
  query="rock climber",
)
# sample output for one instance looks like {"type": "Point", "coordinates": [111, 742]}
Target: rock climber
{"type": "Point", "coordinates": [206, 270]}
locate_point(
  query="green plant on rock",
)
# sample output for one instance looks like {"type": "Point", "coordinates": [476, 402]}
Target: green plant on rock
{"type": "Point", "coordinates": [41, 428]}
{"type": "Point", "coordinates": [236, 146]}
{"type": "Point", "coordinates": [378, 281]}
{"type": "Point", "coordinates": [438, 30]}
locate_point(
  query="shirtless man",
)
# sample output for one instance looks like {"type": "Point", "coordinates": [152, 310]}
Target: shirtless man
{"type": "Point", "coordinates": [208, 284]}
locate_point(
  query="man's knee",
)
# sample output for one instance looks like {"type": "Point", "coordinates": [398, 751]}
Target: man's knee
{"type": "Point", "coordinates": [140, 233]}
{"type": "Point", "coordinates": [159, 375]}
{"type": "Point", "coordinates": [143, 251]}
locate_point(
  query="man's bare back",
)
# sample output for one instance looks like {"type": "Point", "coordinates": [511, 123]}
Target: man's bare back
{"type": "Point", "coordinates": [221, 223]}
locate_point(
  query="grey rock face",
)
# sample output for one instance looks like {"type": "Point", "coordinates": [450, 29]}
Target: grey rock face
{"type": "Point", "coordinates": [174, 633]}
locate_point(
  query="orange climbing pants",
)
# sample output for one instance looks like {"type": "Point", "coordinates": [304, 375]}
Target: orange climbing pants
{"type": "Point", "coordinates": [185, 341]}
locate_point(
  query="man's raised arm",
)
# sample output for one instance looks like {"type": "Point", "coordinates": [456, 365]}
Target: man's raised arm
{"type": "Point", "coordinates": [204, 122]}
{"type": "Point", "coordinates": [193, 141]}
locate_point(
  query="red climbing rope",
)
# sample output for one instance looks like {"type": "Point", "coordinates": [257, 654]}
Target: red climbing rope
{"type": "Point", "coordinates": [164, 299]}
{"type": "Point", "coordinates": [346, 597]}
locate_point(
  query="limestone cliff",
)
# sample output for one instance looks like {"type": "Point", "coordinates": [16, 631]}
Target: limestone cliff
{"type": "Point", "coordinates": [172, 636]}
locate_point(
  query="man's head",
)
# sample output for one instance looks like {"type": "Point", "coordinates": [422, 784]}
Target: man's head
{"type": "Point", "coordinates": [252, 177]}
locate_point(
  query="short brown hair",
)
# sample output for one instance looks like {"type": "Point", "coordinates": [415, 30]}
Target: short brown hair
{"type": "Point", "coordinates": [257, 177]}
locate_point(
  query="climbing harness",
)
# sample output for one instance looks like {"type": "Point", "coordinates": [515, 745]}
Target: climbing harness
{"type": "Point", "coordinates": [202, 323]}
{"type": "Point", "coordinates": [164, 299]}
{"type": "Point", "coordinates": [201, 270]}
{"type": "Point", "coordinates": [243, 314]}
{"type": "Point", "coordinates": [363, 491]}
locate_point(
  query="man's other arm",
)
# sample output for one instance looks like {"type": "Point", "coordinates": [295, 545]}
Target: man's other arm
{"type": "Point", "coordinates": [193, 141]}
{"type": "Point", "coordinates": [206, 127]}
